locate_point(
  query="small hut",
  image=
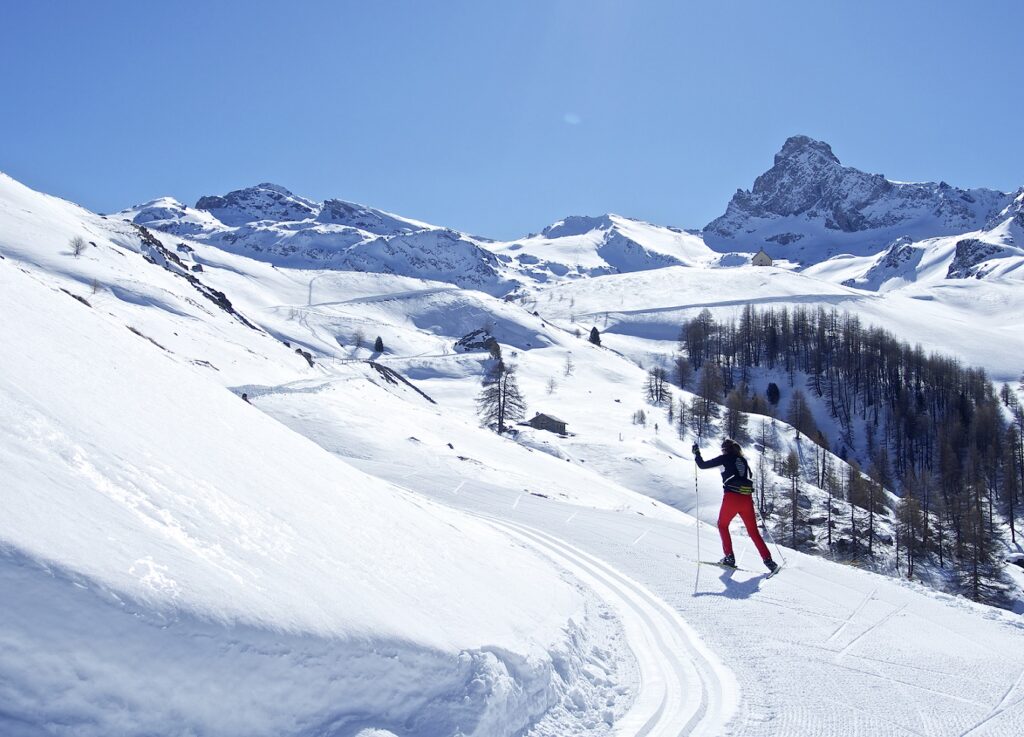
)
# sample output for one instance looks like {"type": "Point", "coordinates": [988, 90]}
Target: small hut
{"type": "Point", "coordinates": [761, 259]}
{"type": "Point", "coordinates": [547, 422]}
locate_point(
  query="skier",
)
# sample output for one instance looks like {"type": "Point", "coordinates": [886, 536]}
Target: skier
{"type": "Point", "coordinates": [737, 499]}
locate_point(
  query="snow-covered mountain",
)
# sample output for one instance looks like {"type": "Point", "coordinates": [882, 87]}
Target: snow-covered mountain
{"type": "Point", "coordinates": [809, 207]}
{"type": "Point", "coordinates": [269, 223]}
{"type": "Point", "coordinates": [353, 554]}
{"type": "Point", "coordinates": [580, 246]}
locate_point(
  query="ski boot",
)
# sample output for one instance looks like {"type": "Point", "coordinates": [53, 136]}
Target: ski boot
{"type": "Point", "coordinates": [772, 566]}
{"type": "Point", "coordinates": [728, 561]}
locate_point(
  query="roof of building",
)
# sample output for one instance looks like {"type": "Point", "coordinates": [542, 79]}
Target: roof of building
{"type": "Point", "coordinates": [550, 417]}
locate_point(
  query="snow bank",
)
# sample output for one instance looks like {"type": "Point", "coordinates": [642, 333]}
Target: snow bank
{"type": "Point", "coordinates": [211, 552]}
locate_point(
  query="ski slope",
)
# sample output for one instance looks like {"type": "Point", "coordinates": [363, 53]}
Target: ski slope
{"type": "Point", "coordinates": [354, 555]}
{"type": "Point", "coordinates": [685, 689]}
{"type": "Point", "coordinates": [819, 649]}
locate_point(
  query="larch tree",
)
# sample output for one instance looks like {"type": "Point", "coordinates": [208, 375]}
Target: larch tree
{"type": "Point", "coordinates": [500, 402]}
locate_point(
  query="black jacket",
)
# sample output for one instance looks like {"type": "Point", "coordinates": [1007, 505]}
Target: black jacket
{"type": "Point", "coordinates": [735, 472]}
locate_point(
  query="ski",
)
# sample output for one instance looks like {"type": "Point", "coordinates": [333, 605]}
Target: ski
{"type": "Point", "coordinates": [716, 564]}
{"type": "Point", "coordinates": [724, 567]}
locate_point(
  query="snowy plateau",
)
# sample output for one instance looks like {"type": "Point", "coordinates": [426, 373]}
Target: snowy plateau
{"type": "Point", "coordinates": [346, 551]}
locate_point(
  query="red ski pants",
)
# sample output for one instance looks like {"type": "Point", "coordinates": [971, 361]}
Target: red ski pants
{"type": "Point", "coordinates": [743, 505]}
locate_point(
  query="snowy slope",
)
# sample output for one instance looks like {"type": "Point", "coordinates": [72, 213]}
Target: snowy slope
{"type": "Point", "coordinates": [408, 570]}
{"type": "Point", "coordinates": [975, 320]}
{"type": "Point", "coordinates": [200, 541]}
{"type": "Point", "coordinates": [610, 244]}
{"type": "Point", "coordinates": [886, 657]}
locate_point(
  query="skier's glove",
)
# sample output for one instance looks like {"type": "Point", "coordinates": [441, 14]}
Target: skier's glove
{"type": "Point", "coordinates": [695, 449]}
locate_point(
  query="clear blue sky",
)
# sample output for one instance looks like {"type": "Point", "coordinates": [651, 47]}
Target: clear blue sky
{"type": "Point", "coordinates": [501, 117]}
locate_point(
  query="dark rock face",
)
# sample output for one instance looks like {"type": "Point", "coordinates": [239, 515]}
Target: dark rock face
{"type": "Point", "coordinates": [809, 206]}
{"type": "Point", "coordinates": [969, 255]}
{"type": "Point", "coordinates": [900, 260]}
{"type": "Point", "coordinates": [478, 340]}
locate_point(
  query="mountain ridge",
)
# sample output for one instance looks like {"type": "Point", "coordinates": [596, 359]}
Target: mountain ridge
{"type": "Point", "coordinates": [808, 207]}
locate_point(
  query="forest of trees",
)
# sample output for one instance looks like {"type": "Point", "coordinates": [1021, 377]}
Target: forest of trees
{"type": "Point", "coordinates": [933, 431]}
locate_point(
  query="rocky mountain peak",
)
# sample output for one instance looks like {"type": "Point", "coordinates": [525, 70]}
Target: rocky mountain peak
{"type": "Point", "coordinates": [809, 207]}
{"type": "Point", "coordinates": [797, 146]}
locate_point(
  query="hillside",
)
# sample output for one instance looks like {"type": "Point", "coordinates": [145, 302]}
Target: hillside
{"type": "Point", "coordinates": [312, 559]}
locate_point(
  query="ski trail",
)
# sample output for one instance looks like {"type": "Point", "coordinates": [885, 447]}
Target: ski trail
{"type": "Point", "coordinates": [642, 536]}
{"type": "Point", "coordinates": [855, 612]}
{"type": "Point", "coordinates": [684, 688]}
{"type": "Point", "coordinates": [876, 625]}
{"type": "Point", "coordinates": [999, 708]}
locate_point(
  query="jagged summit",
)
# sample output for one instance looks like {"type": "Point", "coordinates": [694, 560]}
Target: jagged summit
{"type": "Point", "coordinates": [804, 145]}
{"type": "Point", "coordinates": [809, 207]}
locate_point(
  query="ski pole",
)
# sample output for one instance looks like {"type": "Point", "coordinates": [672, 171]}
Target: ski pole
{"type": "Point", "coordinates": [771, 537]}
{"type": "Point", "coordinates": [696, 493]}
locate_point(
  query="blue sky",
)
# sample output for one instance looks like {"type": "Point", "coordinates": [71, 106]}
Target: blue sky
{"type": "Point", "coordinates": [499, 118]}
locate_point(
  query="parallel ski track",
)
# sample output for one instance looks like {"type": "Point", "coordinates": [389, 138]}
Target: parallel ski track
{"type": "Point", "coordinates": [684, 688]}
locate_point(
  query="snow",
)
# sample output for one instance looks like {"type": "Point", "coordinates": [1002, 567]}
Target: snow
{"type": "Point", "coordinates": [975, 320]}
{"type": "Point", "coordinates": [589, 246]}
{"type": "Point", "coordinates": [186, 525]}
{"type": "Point", "coordinates": [348, 555]}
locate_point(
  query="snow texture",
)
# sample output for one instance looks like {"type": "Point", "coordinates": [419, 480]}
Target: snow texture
{"type": "Point", "coordinates": [350, 553]}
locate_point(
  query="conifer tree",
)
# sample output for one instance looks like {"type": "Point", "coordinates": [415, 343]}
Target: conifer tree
{"type": "Point", "coordinates": [734, 423]}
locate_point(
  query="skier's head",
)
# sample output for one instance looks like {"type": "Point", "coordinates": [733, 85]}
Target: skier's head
{"type": "Point", "coordinates": [731, 447]}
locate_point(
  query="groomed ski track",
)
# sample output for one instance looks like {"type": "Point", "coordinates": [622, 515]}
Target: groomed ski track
{"type": "Point", "coordinates": [684, 688]}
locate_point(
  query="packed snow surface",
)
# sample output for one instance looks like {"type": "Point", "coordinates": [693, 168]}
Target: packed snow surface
{"type": "Point", "coordinates": [350, 553]}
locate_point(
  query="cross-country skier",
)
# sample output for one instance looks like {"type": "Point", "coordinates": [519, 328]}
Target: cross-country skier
{"type": "Point", "coordinates": [738, 498]}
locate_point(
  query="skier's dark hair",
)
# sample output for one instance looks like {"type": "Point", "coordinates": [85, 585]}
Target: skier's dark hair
{"type": "Point", "coordinates": [731, 447]}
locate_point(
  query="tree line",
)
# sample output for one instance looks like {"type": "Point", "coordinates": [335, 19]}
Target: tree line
{"type": "Point", "coordinates": [934, 431]}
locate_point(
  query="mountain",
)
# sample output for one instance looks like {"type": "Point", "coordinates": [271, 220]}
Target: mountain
{"type": "Point", "coordinates": [809, 207]}
{"type": "Point", "coordinates": [581, 246]}
{"type": "Point", "coordinates": [350, 553]}
{"type": "Point", "coordinates": [272, 224]}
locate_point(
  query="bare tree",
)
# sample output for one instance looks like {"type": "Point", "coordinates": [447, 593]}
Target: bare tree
{"type": "Point", "coordinates": [656, 386]}
{"type": "Point", "coordinates": [683, 372]}
{"type": "Point", "coordinates": [77, 245]}
{"type": "Point", "coordinates": [500, 400]}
